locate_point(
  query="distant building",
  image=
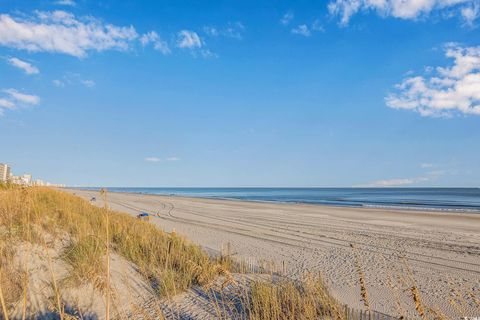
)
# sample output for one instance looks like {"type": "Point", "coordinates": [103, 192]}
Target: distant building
{"type": "Point", "coordinates": [4, 172]}
{"type": "Point", "coordinates": [26, 179]}
{"type": "Point", "coordinates": [16, 179]}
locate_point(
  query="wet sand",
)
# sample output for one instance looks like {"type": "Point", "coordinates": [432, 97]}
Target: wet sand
{"type": "Point", "coordinates": [438, 252]}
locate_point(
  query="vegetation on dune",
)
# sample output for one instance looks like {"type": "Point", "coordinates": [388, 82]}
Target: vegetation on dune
{"type": "Point", "coordinates": [30, 214]}
{"type": "Point", "coordinates": [308, 299]}
{"type": "Point", "coordinates": [42, 216]}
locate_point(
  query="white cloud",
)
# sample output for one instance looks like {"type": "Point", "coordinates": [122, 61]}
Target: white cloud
{"type": "Point", "coordinates": [14, 99]}
{"type": "Point", "coordinates": [156, 159]}
{"type": "Point", "coordinates": [286, 18]}
{"type": "Point", "coordinates": [317, 26]}
{"type": "Point", "coordinates": [403, 9]}
{"type": "Point", "coordinates": [22, 97]}
{"type": "Point", "coordinates": [470, 13]}
{"type": "Point", "coordinates": [211, 31]}
{"type": "Point", "coordinates": [61, 32]}
{"type": "Point", "coordinates": [27, 67]}
{"type": "Point", "coordinates": [232, 30]}
{"type": "Point", "coordinates": [188, 40]}
{"type": "Point", "coordinates": [148, 38]}
{"type": "Point", "coordinates": [72, 79]}
{"type": "Point", "coordinates": [392, 182]}
{"type": "Point", "coordinates": [88, 83]}
{"type": "Point", "coordinates": [395, 182]}
{"type": "Point", "coordinates": [206, 53]}
{"type": "Point", "coordinates": [58, 83]}
{"type": "Point", "coordinates": [306, 30]}
{"type": "Point", "coordinates": [426, 165]}
{"type": "Point", "coordinates": [70, 3]}
{"type": "Point", "coordinates": [449, 91]}
{"type": "Point", "coordinates": [158, 44]}
{"type": "Point", "coordinates": [302, 30]}
{"type": "Point", "coordinates": [7, 104]}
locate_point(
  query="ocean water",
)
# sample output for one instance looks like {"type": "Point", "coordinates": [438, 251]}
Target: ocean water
{"type": "Point", "coordinates": [450, 199]}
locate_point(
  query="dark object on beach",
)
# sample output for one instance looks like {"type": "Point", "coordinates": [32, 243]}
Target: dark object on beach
{"type": "Point", "coordinates": [144, 216]}
{"type": "Point", "coordinates": [93, 199]}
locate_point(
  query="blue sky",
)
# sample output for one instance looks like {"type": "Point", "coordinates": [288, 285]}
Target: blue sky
{"type": "Point", "coordinates": [241, 93]}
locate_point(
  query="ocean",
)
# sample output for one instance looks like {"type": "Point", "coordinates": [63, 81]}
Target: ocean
{"type": "Point", "coordinates": [448, 199]}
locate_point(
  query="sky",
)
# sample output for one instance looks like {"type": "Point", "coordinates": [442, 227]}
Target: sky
{"type": "Point", "coordinates": [335, 93]}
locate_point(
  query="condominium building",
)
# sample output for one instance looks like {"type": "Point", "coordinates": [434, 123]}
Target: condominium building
{"type": "Point", "coordinates": [4, 172]}
{"type": "Point", "coordinates": [26, 179]}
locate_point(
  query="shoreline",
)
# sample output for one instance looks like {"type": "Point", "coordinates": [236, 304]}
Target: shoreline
{"type": "Point", "coordinates": [360, 206]}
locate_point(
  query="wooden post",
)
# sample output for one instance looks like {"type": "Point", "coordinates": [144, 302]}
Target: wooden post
{"type": "Point", "coordinates": [169, 249]}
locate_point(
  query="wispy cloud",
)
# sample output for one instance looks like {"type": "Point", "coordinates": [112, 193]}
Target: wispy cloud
{"type": "Point", "coordinates": [22, 97]}
{"type": "Point", "coordinates": [27, 67]}
{"type": "Point", "coordinates": [449, 91]}
{"type": "Point", "coordinates": [471, 13]}
{"type": "Point", "coordinates": [7, 104]}
{"type": "Point", "coordinates": [188, 40]}
{"type": "Point", "coordinates": [412, 9]}
{"type": "Point", "coordinates": [158, 44]}
{"type": "Point", "coordinates": [73, 78]}
{"type": "Point", "coordinates": [69, 3]}
{"type": "Point", "coordinates": [58, 83]}
{"type": "Point", "coordinates": [157, 159]}
{"type": "Point", "coordinates": [14, 99]}
{"type": "Point", "coordinates": [317, 26]}
{"type": "Point", "coordinates": [287, 18]}
{"type": "Point", "coordinates": [430, 175]}
{"type": "Point", "coordinates": [232, 30]}
{"type": "Point", "coordinates": [88, 83]}
{"type": "Point", "coordinates": [302, 30]}
{"type": "Point", "coordinates": [307, 29]}
{"type": "Point", "coordinates": [62, 32]}
{"type": "Point", "coordinates": [397, 182]}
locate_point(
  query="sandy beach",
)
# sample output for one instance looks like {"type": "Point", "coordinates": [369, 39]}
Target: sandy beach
{"type": "Point", "coordinates": [393, 250]}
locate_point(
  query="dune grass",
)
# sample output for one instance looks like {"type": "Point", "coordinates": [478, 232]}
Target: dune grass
{"type": "Point", "coordinates": [34, 214]}
{"type": "Point", "coordinates": [306, 299]}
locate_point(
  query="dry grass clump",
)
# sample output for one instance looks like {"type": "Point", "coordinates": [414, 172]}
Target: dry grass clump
{"type": "Point", "coordinates": [11, 280]}
{"type": "Point", "coordinates": [167, 260]}
{"type": "Point", "coordinates": [307, 299]}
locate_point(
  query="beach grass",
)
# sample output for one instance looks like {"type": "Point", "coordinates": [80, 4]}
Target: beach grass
{"type": "Point", "coordinates": [42, 216]}
{"type": "Point", "coordinates": [286, 299]}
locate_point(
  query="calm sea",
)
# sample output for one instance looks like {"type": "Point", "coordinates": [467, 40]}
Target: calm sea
{"type": "Point", "coordinates": [451, 199]}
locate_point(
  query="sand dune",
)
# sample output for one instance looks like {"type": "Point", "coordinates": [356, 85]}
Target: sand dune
{"type": "Point", "coordinates": [393, 250]}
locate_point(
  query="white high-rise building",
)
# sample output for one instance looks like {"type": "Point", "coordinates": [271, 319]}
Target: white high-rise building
{"type": "Point", "coordinates": [4, 172]}
{"type": "Point", "coordinates": [26, 179]}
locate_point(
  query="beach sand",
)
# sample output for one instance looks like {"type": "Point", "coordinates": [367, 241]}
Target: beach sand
{"type": "Point", "coordinates": [392, 250]}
